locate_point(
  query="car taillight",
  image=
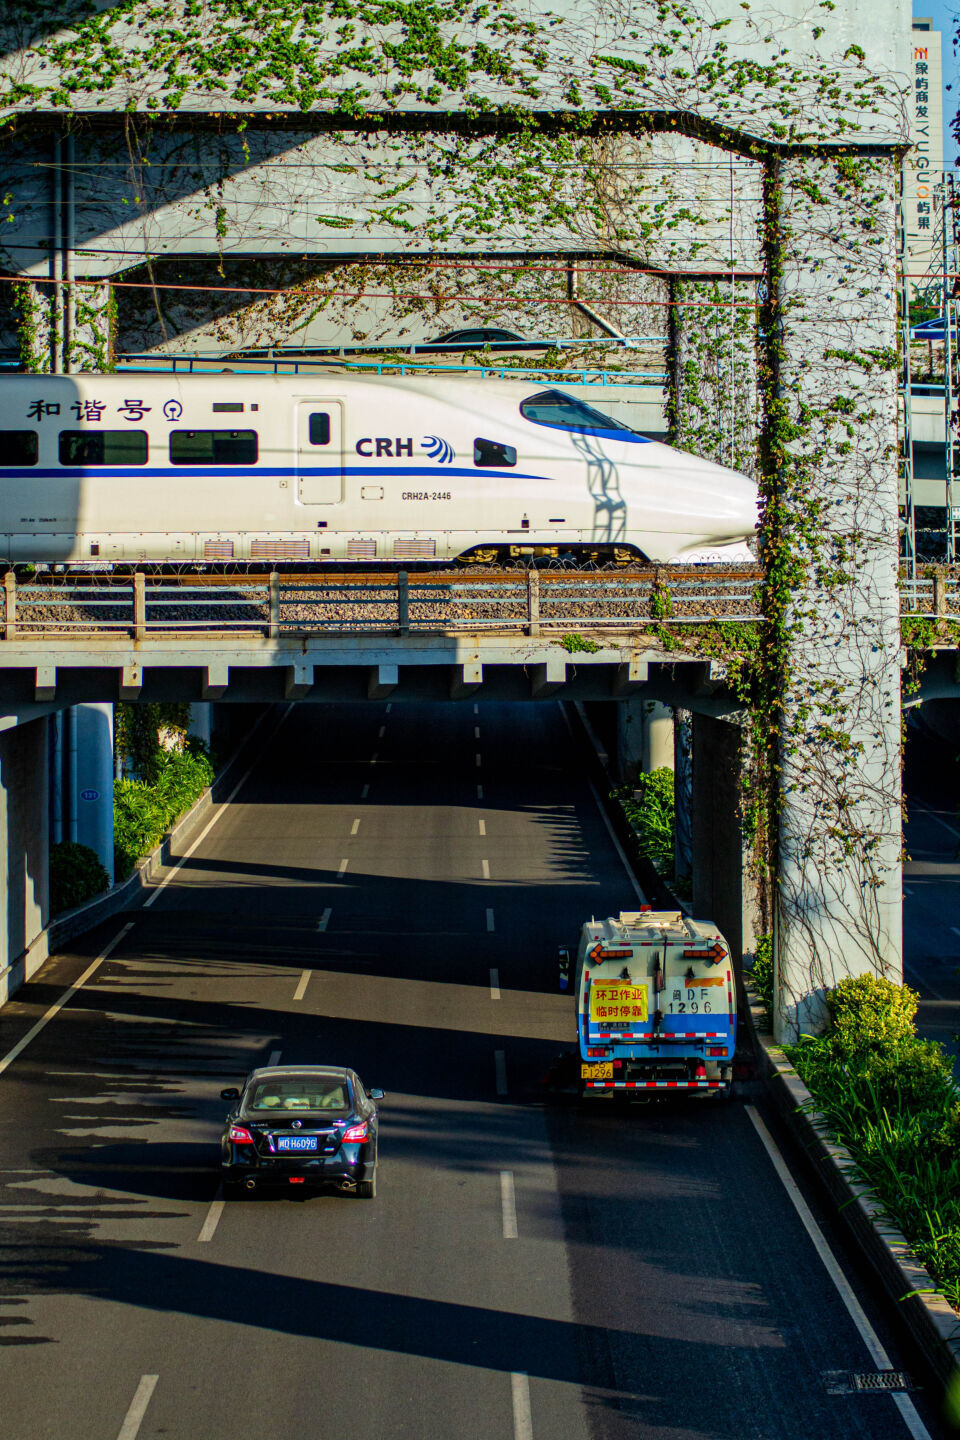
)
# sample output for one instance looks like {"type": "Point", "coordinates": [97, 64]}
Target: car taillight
{"type": "Point", "coordinates": [716, 1050]}
{"type": "Point", "coordinates": [599, 1050]}
{"type": "Point", "coordinates": [240, 1135]}
{"type": "Point", "coordinates": [355, 1135]}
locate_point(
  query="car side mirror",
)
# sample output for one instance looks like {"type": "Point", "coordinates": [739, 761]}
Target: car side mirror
{"type": "Point", "coordinates": [230, 1094]}
{"type": "Point", "coordinates": [375, 1094]}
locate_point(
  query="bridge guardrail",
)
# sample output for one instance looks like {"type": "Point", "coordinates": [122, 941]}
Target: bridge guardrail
{"type": "Point", "coordinates": [531, 602]}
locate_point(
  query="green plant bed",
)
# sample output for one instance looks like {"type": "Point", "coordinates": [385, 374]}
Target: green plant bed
{"type": "Point", "coordinates": [891, 1099]}
{"type": "Point", "coordinates": [76, 875]}
{"type": "Point", "coordinates": [142, 813]}
{"type": "Point", "coordinates": [648, 805]}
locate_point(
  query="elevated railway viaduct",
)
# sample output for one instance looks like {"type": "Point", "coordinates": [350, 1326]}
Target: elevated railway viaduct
{"type": "Point", "coordinates": [738, 183]}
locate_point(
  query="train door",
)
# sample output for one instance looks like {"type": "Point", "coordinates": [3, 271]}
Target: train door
{"type": "Point", "coordinates": [320, 451]}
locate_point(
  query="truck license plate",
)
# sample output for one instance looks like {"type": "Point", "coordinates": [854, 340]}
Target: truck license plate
{"type": "Point", "coordinates": [600, 1070]}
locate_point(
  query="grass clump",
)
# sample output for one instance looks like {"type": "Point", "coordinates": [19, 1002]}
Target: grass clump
{"type": "Point", "coordinates": [648, 804]}
{"type": "Point", "coordinates": [891, 1099]}
{"type": "Point", "coordinates": [143, 812]}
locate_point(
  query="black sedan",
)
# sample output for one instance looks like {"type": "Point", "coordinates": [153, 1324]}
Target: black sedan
{"type": "Point", "coordinates": [301, 1125]}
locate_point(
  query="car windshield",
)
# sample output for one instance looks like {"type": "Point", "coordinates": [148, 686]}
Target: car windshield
{"type": "Point", "coordinates": [564, 412]}
{"type": "Point", "coordinates": [297, 1092]}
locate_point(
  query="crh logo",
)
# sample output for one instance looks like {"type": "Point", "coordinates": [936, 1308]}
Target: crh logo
{"type": "Point", "coordinates": [438, 449]}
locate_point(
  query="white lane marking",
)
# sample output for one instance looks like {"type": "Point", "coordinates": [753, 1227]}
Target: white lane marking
{"type": "Point", "coordinates": [479, 760]}
{"type": "Point", "coordinates": [213, 820]}
{"type": "Point", "coordinates": [508, 1204]}
{"type": "Point", "coordinates": [955, 930]}
{"type": "Point", "coordinates": [364, 792]}
{"type": "Point", "coordinates": [67, 995]}
{"type": "Point", "coordinates": [522, 1422]}
{"type": "Point", "coordinates": [476, 709]}
{"type": "Point", "coordinates": [302, 984]}
{"type": "Point", "coordinates": [213, 1218]}
{"type": "Point", "coordinates": [483, 826]}
{"type": "Point", "coordinates": [134, 1416]}
{"type": "Point", "coordinates": [476, 732]}
{"type": "Point", "coordinates": [354, 827]}
{"type": "Point", "coordinates": [274, 1057]}
{"type": "Point", "coordinates": [389, 707]}
{"type": "Point", "coordinates": [490, 925]}
{"type": "Point", "coordinates": [618, 847]}
{"type": "Point", "coordinates": [479, 792]}
{"type": "Point", "coordinates": [500, 1070]}
{"type": "Point", "coordinates": [343, 866]}
{"type": "Point", "coordinates": [868, 1335]}
{"type": "Point", "coordinates": [922, 980]}
{"type": "Point", "coordinates": [324, 920]}
{"type": "Point", "coordinates": [485, 869]}
{"type": "Point", "coordinates": [373, 758]}
{"type": "Point", "coordinates": [918, 805]}
{"type": "Point", "coordinates": [494, 984]}
{"type": "Point", "coordinates": [381, 732]}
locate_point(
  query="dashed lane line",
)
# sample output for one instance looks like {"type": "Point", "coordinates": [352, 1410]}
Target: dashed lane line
{"type": "Point", "coordinates": [65, 998]}
{"type": "Point", "coordinates": [868, 1335]}
{"type": "Point", "coordinates": [476, 732]}
{"type": "Point", "coordinates": [133, 1419]}
{"type": "Point", "coordinates": [491, 926]}
{"type": "Point", "coordinates": [389, 707]}
{"type": "Point", "coordinates": [522, 1421]}
{"type": "Point", "coordinates": [343, 867]}
{"type": "Point", "coordinates": [274, 1057]}
{"type": "Point", "coordinates": [373, 758]}
{"type": "Point", "coordinates": [483, 826]}
{"type": "Point", "coordinates": [213, 1218]}
{"type": "Point", "coordinates": [508, 1205]}
{"type": "Point", "coordinates": [381, 732]}
{"type": "Point", "coordinates": [302, 984]}
{"type": "Point", "coordinates": [354, 827]}
{"type": "Point", "coordinates": [479, 759]}
{"type": "Point", "coordinates": [324, 920]}
{"type": "Point", "coordinates": [364, 792]}
{"type": "Point", "coordinates": [500, 1071]}
{"type": "Point", "coordinates": [485, 869]}
{"type": "Point", "coordinates": [494, 984]}
{"type": "Point", "coordinates": [213, 820]}
{"type": "Point", "coordinates": [479, 792]}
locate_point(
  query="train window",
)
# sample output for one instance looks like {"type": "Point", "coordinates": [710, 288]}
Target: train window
{"type": "Point", "coordinates": [319, 428]}
{"type": "Point", "coordinates": [493, 452]}
{"type": "Point", "coordinates": [103, 447]}
{"type": "Point", "coordinates": [564, 412]}
{"type": "Point", "coordinates": [19, 447]}
{"type": "Point", "coordinates": [213, 447]}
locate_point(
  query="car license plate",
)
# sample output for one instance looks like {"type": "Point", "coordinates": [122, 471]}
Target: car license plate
{"type": "Point", "coordinates": [296, 1142]}
{"type": "Point", "coordinates": [601, 1070]}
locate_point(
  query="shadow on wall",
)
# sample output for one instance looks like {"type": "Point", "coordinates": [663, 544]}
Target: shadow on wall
{"type": "Point", "coordinates": [24, 904]}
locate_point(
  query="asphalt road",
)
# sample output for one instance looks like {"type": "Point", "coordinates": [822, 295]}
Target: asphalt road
{"type": "Point", "coordinates": [387, 890]}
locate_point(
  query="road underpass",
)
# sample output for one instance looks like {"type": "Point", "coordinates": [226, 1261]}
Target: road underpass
{"type": "Point", "coordinates": [387, 889]}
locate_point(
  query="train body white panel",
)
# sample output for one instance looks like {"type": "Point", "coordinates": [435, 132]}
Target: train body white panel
{"type": "Point", "coordinates": [326, 467]}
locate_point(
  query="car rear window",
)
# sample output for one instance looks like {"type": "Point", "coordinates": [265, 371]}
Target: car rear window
{"type": "Point", "coordinates": [290, 1094]}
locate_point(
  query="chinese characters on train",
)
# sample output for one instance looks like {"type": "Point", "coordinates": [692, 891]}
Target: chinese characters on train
{"type": "Point", "coordinates": [87, 410]}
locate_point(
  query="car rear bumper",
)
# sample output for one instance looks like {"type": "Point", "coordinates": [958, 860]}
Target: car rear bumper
{"type": "Point", "coordinates": [332, 1171]}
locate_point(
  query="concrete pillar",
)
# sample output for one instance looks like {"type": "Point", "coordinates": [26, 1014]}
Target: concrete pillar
{"type": "Point", "coordinates": [201, 721]}
{"type": "Point", "coordinates": [723, 886]}
{"type": "Point", "coordinates": [94, 729]}
{"type": "Point", "coordinates": [683, 792]}
{"type": "Point", "coordinates": [25, 837]}
{"type": "Point", "coordinates": [59, 329]}
{"type": "Point", "coordinates": [713, 406]}
{"type": "Point", "coordinates": [833, 549]}
{"type": "Point", "coordinates": [644, 736]}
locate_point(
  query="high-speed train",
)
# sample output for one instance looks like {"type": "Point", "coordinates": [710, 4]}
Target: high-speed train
{"type": "Point", "coordinates": [311, 468]}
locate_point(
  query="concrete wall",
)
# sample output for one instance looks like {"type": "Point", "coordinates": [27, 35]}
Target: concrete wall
{"type": "Point", "coordinates": [24, 831]}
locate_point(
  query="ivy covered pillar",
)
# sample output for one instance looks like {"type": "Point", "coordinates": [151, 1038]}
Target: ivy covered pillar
{"type": "Point", "coordinates": [65, 329]}
{"type": "Point", "coordinates": [831, 547]}
{"type": "Point", "coordinates": [713, 402]}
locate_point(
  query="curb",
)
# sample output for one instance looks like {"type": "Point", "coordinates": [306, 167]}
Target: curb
{"type": "Point", "coordinates": [129, 894]}
{"type": "Point", "coordinates": [932, 1321]}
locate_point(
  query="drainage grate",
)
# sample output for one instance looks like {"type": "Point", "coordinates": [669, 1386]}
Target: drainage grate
{"type": "Point", "coordinates": [865, 1382]}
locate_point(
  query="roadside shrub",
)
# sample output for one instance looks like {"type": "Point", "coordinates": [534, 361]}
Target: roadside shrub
{"type": "Point", "coordinates": [76, 875]}
{"type": "Point", "coordinates": [143, 813]}
{"type": "Point", "coordinates": [761, 972]}
{"type": "Point", "coordinates": [649, 807]}
{"type": "Point", "coordinates": [866, 1010]}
